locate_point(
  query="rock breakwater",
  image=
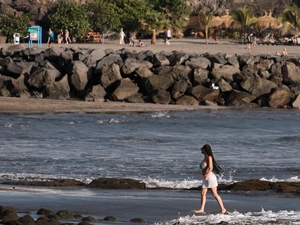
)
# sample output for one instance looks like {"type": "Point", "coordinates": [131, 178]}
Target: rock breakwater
{"type": "Point", "coordinates": [175, 77]}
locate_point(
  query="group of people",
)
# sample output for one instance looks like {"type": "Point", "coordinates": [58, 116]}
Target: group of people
{"type": "Point", "coordinates": [62, 37]}
{"type": "Point", "coordinates": [138, 43]}
{"type": "Point", "coordinates": [252, 42]}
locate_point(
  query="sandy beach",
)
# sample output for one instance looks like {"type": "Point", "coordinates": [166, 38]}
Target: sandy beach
{"type": "Point", "coordinates": [188, 45]}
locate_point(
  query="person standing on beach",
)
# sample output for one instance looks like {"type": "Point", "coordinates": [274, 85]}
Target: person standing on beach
{"type": "Point", "coordinates": [50, 37]}
{"type": "Point", "coordinates": [209, 167]}
{"type": "Point", "coordinates": [67, 36]}
{"type": "Point", "coordinates": [122, 36]}
{"type": "Point", "coordinates": [169, 36]}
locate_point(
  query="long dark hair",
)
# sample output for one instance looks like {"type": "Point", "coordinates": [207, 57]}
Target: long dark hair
{"type": "Point", "coordinates": [207, 149]}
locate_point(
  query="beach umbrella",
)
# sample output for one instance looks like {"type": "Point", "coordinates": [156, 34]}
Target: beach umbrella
{"type": "Point", "coordinates": [227, 20]}
{"type": "Point", "coordinates": [267, 21]}
{"type": "Point", "coordinates": [216, 21]}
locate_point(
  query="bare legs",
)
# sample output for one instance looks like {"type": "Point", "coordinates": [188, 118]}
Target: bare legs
{"type": "Point", "coordinates": [203, 200]}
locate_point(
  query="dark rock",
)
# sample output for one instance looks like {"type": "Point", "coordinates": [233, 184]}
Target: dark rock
{"type": "Point", "coordinates": [111, 183]}
{"type": "Point", "coordinates": [124, 89]}
{"type": "Point", "coordinates": [50, 183]}
{"type": "Point", "coordinates": [225, 72]}
{"type": "Point", "coordinates": [200, 75]}
{"type": "Point", "coordinates": [89, 218]}
{"type": "Point", "coordinates": [258, 86]}
{"type": "Point", "coordinates": [8, 214]}
{"type": "Point", "coordinates": [47, 221]}
{"type": "Point", "coordinates": [26, 220]}
{"type": "Point", "coordinates": [239, 99]}
{"type": "Point", "coordinates": [179, 89]}
{"type": "Point", "coordinates": [81, 74]}
{"type": "Point", "coordinates": [109, 75]}
{"type": "Point", "coordinates": [187, 100]}
{"type": "Point", "coordinates": [158, 82]}
{"type": "Point", "coordinates": [110, 218]}
{"type": "Point", "coordinates": [132, 64]}
{"type": "Point", "coordinates": [97, 94]}
{"type": "Point", "coordinates": [58, 90]}
{"type": "Point", "coordinates": [65, 214]}
{"type": "Point", "coordinates": [137, 220]}
{"type": "Point", "coordinates": [177, 58]}
{"type": "Point", "coordinates": [108, 60]}
{"type": "Point", "coordinates": [160, 59]}
{"type": "Point", "coordinates": [161, 97]}
{"type": "Point", "coordinates": [94, 56]}
{"type": "Point", "coordinates": [202, 93]}
{"type": "Point", "coordinates": [290, 73]}
{"type": "Point", "coordinates": [198, 62]}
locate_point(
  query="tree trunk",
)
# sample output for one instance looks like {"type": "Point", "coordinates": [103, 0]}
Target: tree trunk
{"type": "Point", "coordinates": [153, 38]}
{"type": "Point", "coordinates": [206, 35]}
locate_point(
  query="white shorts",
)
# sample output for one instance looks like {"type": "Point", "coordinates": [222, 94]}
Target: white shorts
{"type": "Point", "coordinates": [211, 182]}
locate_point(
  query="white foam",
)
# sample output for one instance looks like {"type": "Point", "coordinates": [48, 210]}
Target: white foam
{"type": "Point", "coordinates": [274, 179]}
{"type": "Point", "coordinates": [161, 114]}
{"type": "Point", "coordinates": [262, 217]}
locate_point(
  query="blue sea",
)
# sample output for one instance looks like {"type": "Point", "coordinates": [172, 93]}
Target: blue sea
{"type": "Point", "coordinates": [161, 149]}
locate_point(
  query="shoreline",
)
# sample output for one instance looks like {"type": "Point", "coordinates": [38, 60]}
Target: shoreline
{"type": "Point", "coordinates": [13, 105]}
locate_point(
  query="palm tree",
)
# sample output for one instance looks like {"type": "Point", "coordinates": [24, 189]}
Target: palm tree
{"type": "Point", "coordinates": [153, 22]}
{"type": "Point", "coordinates": [245, 18]}
{"type": "Point", "coordinates": [205, 22]}
{"type": "Point", "coordinates": [290, 17]}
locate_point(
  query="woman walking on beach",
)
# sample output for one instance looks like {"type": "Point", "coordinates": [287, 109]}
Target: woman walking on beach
{"type": "Point", "coordinates": [209, 167]}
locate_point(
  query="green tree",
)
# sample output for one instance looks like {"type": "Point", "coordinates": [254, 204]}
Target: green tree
{"type": "Point", "coordinates": [205, 22]}
{"type": "Point", "coordinates": [14, 24]}
{"type": "Point", "coordinates": [71, 16]}
{"type": "Point", "coordinates": [153, 22]}
{"type": "Point", "coordinates": [290, 17]}
{"type": "Point", "coordinates": [163, 14]}
{"type": "Point", "coordinates": [131, 11]}
{"type": "Point", "coordinates": [103, 15]}
{"type": "Point", "coordinates": [245, 18]}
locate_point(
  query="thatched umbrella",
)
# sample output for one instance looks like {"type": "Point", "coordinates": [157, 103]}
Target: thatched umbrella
{"type": "Point", "coordinates": [267, 21]}
{"type": "Point", "coordinates": [227, 20]}
{"type": "Point", "coordinates": [216, 22]}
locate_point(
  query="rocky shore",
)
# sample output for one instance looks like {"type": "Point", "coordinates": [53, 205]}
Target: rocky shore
{"type": "Point", "coordinates": [43, 216]}
{"type": "Point", "coordinates": [161, 78]}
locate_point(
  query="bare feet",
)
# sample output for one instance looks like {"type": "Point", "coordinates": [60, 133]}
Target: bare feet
{"type": "Point", "coordinates": [199, 212]}
{"type": "Point", "coordinates": [224, 211]}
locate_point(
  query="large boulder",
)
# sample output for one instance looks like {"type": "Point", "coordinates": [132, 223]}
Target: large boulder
{"type": "Point", "coordinates": [296, 103]}
{"type": "Point", "coordinates": [202, 93]}
{"type": "Point", "coordinates": [131, 64]}
{"type": "Point", "coordinates": [160, 59]}
{"type": "Point", "coordinates": [290, 73]}
{"type": "Point", "coordinates": [80, 76]}
{"type": "Point", "coordinates": [109, 75]}
{"type": "Point", "coordinates": [200, 76]}
{"type": "Point", "coordinates": [239, 99]}
{"type": "Point", "coordinates": [279, 98]}
{"type": "Point", "coordinates": [108, 60]}
{"type": "Point", "coordinates": [97, 94]}
{"type": "Point", "coordinates": [258, 86]}
{"type": "Point", "coordinates": [161, 97]}
{"type": "Point", "coordinates": [224, 86]}
{"type": "Point", "coordinates": [177, 58]}
{"type": "Point", "coordinates": [179, 89]}
{"type": "Point", "coordinates": [158, 82]}
{"type": "Point", "coordinates": [225, 72]}
{"type": "Point", "coordinates": [198, 62]}
{"type": "Point", "coordinates": [58, 90]}
{"type": "Point", "coordinates": [125, 88]}
{"type": "Point", "coordinates": [187, 100]}
{"type": "Point", "coordinates": [93, 57]}
{"type": "Point", "coordinates": [41, 77]}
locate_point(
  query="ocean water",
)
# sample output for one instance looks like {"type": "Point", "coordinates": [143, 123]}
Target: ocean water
{"type": "Point", "coordinates": [160, 148]}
